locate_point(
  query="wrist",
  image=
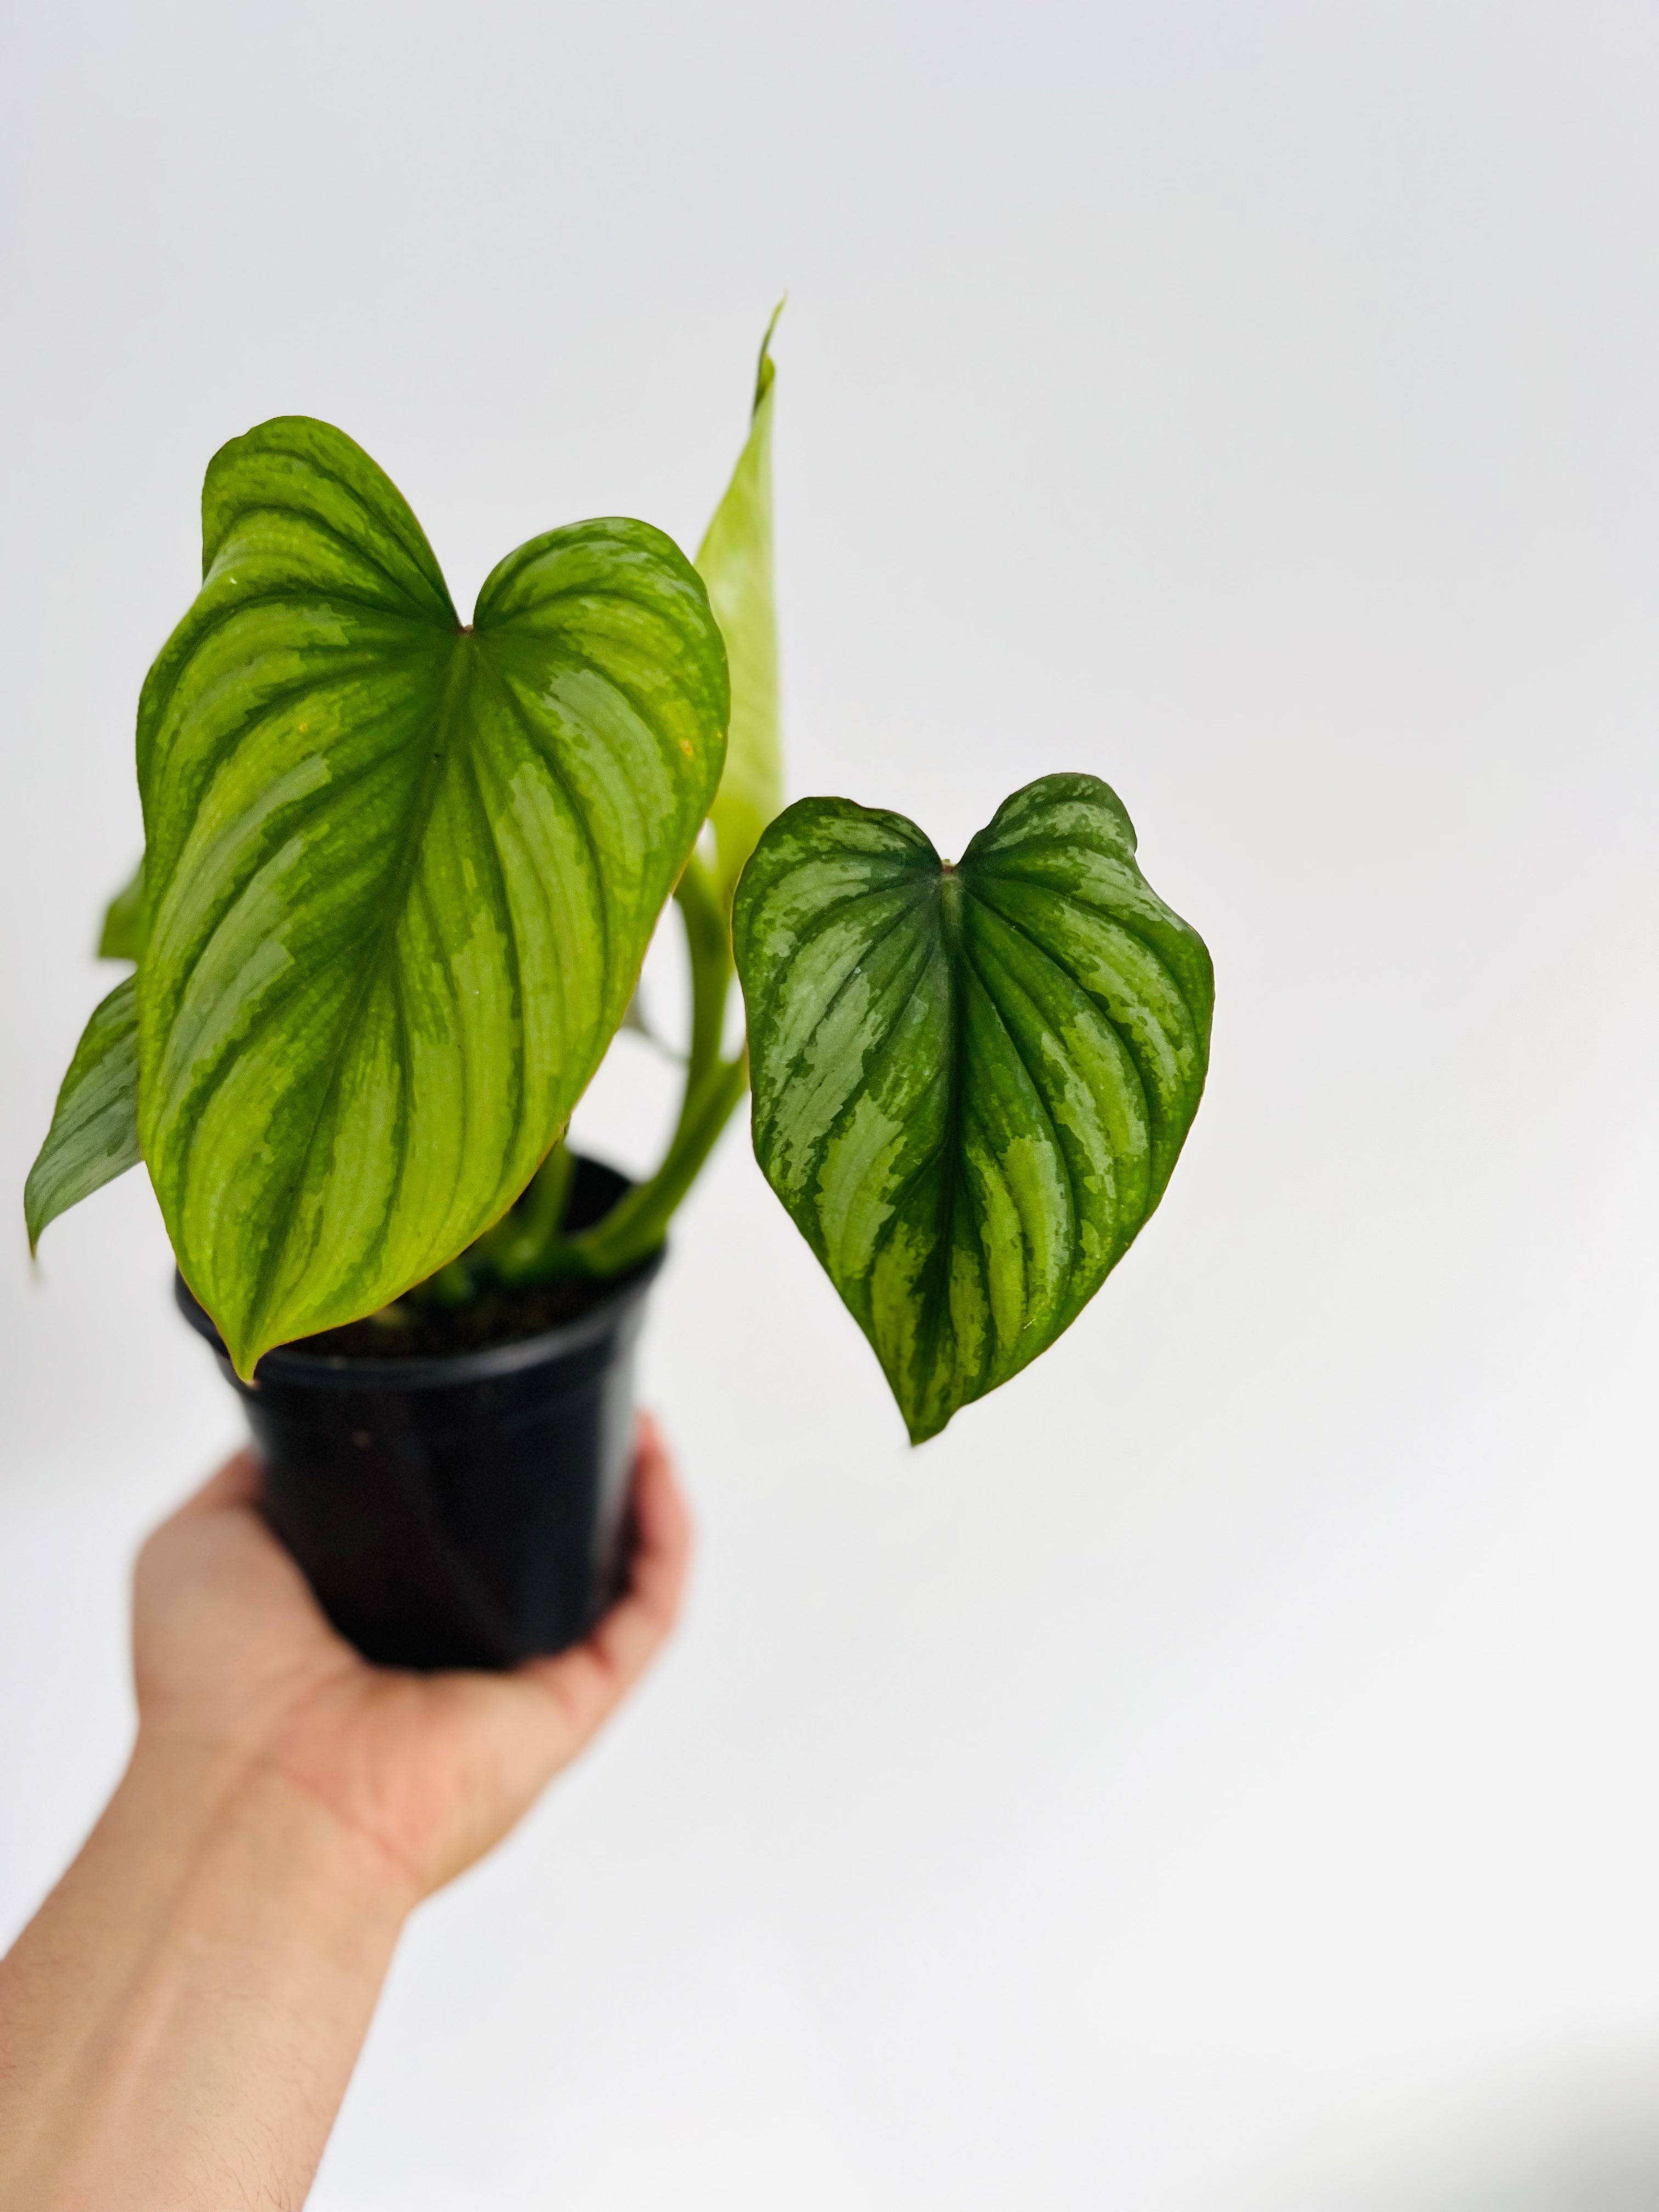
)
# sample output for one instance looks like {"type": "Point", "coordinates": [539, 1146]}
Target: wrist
{"type": "Point", "coordinates": [211, 1798]}
{"type": "Point", "coordinates": [201, 1980]}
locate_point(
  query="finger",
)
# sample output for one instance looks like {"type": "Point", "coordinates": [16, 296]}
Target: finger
{"type": "Point", "coordinates": [237, 1483]}
{"type": "Point", "coordinates": [662, 1535]}
{"type": "Point", "coordinates": [587, 1682]}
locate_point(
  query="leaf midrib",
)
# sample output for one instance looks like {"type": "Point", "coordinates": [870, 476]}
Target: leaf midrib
{"type": "Point", "coordinates": [456, 685]}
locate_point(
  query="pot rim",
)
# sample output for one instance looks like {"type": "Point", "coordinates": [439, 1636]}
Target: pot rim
{"type": "Point", "coordinates": [285, 1362]}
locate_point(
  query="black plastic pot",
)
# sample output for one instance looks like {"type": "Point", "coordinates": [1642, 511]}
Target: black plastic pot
{"type": "Point", "coordinates": [463, 1511]}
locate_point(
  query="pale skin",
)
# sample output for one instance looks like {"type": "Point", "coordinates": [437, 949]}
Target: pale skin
{"type": "Point", "coordinates": [178, 2022]}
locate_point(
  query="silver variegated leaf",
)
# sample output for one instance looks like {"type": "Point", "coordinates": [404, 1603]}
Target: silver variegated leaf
{"type": "Point", "coordinates": [971, 1083]}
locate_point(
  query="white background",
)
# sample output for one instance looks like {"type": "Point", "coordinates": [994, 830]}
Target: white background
{"type": "Point", "coordinates": [1219, 1775]}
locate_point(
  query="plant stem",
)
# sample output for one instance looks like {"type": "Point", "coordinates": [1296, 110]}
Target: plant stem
{"type": "Point", "coordinates": [526, 1247]}
{"type": "Point", "coordinates": [451, 1286]}
{"type": "Point", "coordinates": [708, 942]}
{"type": "Point", "coordinates": [522, 1236]}
{"type": "Point", "coordinates": [637, 1224]}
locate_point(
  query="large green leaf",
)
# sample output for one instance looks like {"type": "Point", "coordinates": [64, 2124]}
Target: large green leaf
{"type": "Point", "coordinates": [94, 1135]}
{"type": "Point", "coordinates": [971, 1083]}
{"type": "Point", "coordinates": [399, 874]}
{"type": "Point", "coordinates": [735, 562]}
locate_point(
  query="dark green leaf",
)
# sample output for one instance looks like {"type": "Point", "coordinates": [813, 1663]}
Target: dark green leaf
{"type": "Point", "coordinates": [119, 939]}
{"type": "Point", "coordinates": [735, 562]}
{"type": "Point", "coordinates": [971, 1084]}
{"type": "Point", "coordinates": [400, 875]}
{"type": "Point", "coordinates": [94, 1135]}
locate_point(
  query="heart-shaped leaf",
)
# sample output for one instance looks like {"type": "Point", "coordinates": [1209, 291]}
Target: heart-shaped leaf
{"type": "Point", "coordinates": [94, 1135]}
{"type": "Point", "coordinates": [970, 1083]}
{"type": "Point", "coordinates": [399, 875]}
{"type": "Point", "coordinates": [735, 562]}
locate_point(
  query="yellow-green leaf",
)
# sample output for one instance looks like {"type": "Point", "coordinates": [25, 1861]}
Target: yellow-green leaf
{"type": "Point", "coordinates": [400, 873]}
{"type": "Point", "coordinates": [735, 562]}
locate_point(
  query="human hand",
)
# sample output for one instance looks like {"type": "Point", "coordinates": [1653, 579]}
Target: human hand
{"type": "Point", "coordinates": [233, 1654]}
{"type": "Point", "coordinates": [178, 2022]}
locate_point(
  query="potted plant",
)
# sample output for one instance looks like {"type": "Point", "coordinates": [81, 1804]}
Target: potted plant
{"type": "Point", "coordinates": [400, 873]}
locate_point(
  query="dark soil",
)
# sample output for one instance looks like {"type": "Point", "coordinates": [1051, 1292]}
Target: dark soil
{"type": "Point", "coordinates": [495, 1316]}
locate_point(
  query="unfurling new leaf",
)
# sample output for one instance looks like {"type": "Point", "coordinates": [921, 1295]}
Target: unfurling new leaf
{"type": "Point", "coordinates": [399, 874]}
{"type": "Point", "coordinates": [94, 1135]}
{"type": "Point", "coordinates": [735, 562]}
{"type": "Point", "coordinates": [970, 1083]}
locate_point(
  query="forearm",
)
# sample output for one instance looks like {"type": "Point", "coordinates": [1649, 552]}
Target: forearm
{"type": "Point", "coordinates": [178, 2022]}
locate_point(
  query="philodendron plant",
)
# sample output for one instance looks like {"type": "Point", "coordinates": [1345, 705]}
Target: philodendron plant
{"type": "Point", "coordinates": [400, 873]}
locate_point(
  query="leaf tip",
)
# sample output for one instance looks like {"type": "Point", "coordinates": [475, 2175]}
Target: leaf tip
{"type": "Point", "coordinates": [244, 1348]}
{"type": "Point", "coordinates": [923, 1432]}
{"type": "Point", "coordinates": [243, 1363]}
{"type": "Point", "coordinates": [39, 1211]}
{"type": "Point", "coordinates": [239, 1338]}
{"type": "Point", "coordinates": [765, 368]}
